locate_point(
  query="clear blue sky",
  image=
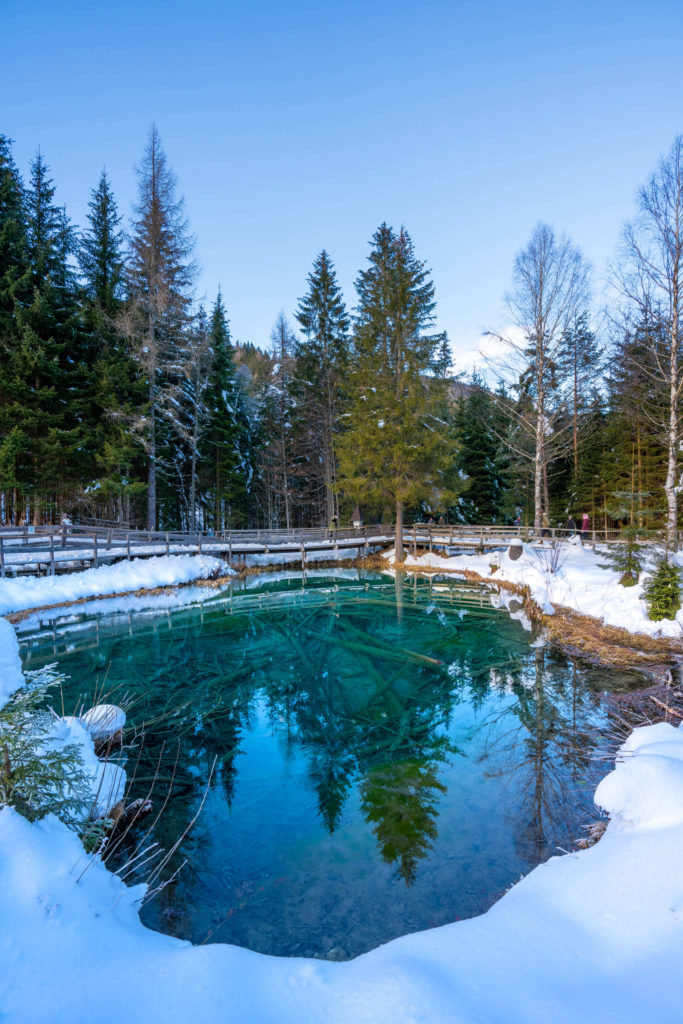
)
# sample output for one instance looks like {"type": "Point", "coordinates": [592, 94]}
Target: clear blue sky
{"type": "Point", "coordinates": [297, 126]}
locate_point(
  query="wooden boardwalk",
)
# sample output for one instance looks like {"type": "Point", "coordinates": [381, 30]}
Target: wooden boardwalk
{"type": "Point", "coordinates": [52, 549]}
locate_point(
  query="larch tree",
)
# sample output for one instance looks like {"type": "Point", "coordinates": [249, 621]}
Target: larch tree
{"type": "Point", "coordinates": [396, 449]}
{"type": "Point", "coordinates": [550, 289]}
{"type": "Point", "coordinates": [160, 276]}
{"type": "Point", "coordinates": [321, 363]}
{"type": "Point", "coordinates": [650, 277]}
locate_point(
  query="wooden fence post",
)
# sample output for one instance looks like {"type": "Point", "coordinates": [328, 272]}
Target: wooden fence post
{"type": "Point", "coordinates": [2, 561]}
{"type": "Point", "coordinates": [128, 545]}
{"type": "Point", "coordinates": [52, 554]}
{"type": "Point", "coordinates": [168, 550]}
{"type": "Point", "coordinates": [96, 560]}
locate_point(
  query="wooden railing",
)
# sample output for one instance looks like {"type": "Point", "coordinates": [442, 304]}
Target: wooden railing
{"type": "Point", "coordinates": [49, 549]}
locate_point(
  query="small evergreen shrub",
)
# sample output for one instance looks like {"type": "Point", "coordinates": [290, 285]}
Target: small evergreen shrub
{"type": "Point", "coordinates": [627, 558]}
{"type": "Point", "coordinates": [37, 776]}
{"type": "Point", "coordinates": [663, 591]}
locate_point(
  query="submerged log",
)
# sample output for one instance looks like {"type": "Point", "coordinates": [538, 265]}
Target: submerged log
{"type": "Point", "coordinates": [124, 816]}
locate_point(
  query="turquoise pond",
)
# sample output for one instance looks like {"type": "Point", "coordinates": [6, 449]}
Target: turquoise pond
{"type": "Point", "coordinates": [390, 755]}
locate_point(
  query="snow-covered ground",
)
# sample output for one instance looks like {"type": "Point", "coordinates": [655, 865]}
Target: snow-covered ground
{"type": "Point", "coordinates": [581, 580]}
{"type": "Point", "coordinates": [34, 591]}
{"type": "Point", "coordinates": [595, 936]}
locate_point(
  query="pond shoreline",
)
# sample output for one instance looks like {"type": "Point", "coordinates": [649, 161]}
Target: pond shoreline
{"type": "Point", "coordinates": [575, 634]}
{"type": "Point", "coordinates": [579, 635]}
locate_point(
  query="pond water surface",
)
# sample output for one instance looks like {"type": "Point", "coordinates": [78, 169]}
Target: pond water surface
{"type": "Point", "coordinates": [388, 755]}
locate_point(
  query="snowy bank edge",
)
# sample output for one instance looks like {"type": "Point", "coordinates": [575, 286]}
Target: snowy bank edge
{"type": "Point", "coordinates": [443, 972]}
{"type": "Point", "coordinates": [590, 936]}
{"type": "Point", "coordinates": [581, 582]}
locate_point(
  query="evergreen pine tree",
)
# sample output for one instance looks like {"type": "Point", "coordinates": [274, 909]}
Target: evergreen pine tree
{"type": "Point", "coordinates": [226, 443]}
{"type": "Point", "coordinates": [580, 359]}
{"type": "Point", "coordinates": [115, 387]}
{"type": "Point", "coordinates": [626, 558]}
{"type": "Point", "coordinates": [480, 458]}
{"type": "Point", "coordinates": [101, 250]}
{"type": "Point", "coordinates": [663, 591]}
{"type": "Point", "coordinates": [396, 450]}
{"type": "Point", "coordinates": [45, 399]}
{"type": "Point", "coordinates": [321, 363]}
{"type": "Point", "coordinates": [14, 290]}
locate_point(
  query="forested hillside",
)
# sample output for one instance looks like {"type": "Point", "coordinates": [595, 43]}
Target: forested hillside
{"type": "Point", "coordinates": [124, 400]}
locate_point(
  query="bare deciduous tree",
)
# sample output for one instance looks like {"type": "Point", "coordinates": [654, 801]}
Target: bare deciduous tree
{"type": "Point", "coordinates": [550, 289]}
{"type": "Point", "coordinates": [650, 278]}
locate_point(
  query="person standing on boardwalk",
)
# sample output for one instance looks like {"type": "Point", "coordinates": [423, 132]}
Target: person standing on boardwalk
{"type": "Point", "coordinates": [585, 525]}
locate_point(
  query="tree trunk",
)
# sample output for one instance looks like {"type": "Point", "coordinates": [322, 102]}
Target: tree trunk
{"type": "Point", "coordinates": [672, 447]}
{"type": "Point", "coordinates": [538, 476]}
{"type": "Point", "coordinates": [672, 439]}
{"type": "Point", "coordinates": [576, 416]}
{"type": "Point", "coordinates": [398, 537]}
{"type": "Point", "coordinates": [193, 489]}
{"type": "Point", "coordinates": [152, 472]}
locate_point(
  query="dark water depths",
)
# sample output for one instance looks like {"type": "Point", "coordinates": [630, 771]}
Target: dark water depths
{"type": "Point", "coordinates": [389, 756]}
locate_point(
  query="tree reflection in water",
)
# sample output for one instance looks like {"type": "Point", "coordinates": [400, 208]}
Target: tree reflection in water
{"type": "Point", "coordinates": [347, 719]}
{"type": "Point", "coordinates": [548, 754]}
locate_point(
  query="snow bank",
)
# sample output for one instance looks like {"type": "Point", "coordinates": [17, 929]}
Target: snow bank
{"type": "Point", "coordinates": [104, 721]}
{"type": "Point", "coordinates": [11, 675]}
{"type": "Point", "coordinates": [141, 604]}
{"type": "Point", "coordinates": [107, 779]}
{"type": "Point", "coordinates": [582, 581]}
{"type": "Point", "coordinates": [595, 936]}
{"type": "Point", "coordinates": [31, 591]}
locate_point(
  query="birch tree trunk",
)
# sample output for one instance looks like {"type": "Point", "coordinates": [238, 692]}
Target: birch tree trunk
{"type": "Point", "coordinates": [650, 277]}
{"type": "Point", "coordinates": [672, 445]}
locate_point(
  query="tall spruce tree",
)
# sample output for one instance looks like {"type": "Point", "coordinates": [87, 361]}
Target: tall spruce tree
{"type": "Point", "coordinates": [160, 278]}
{"type": "Point", "coordinates": [396, 450]}
{"type": "Point", "coordinates": [321, 363]}
{"type": "Point", "coordinates": [116, 390]}
{"type": "Point", "coordinates": [101, 250]}
{"type": "Point", "coordinates": [14, 290]}
{"type": "Point", "coordinates": [481, 458]}
{"type": "Point", "coordinates": [580, 359]}
{"type": "Point", "coordinates": [226, 442]}
{"type": "Point", "coordinates": [46, 401]}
